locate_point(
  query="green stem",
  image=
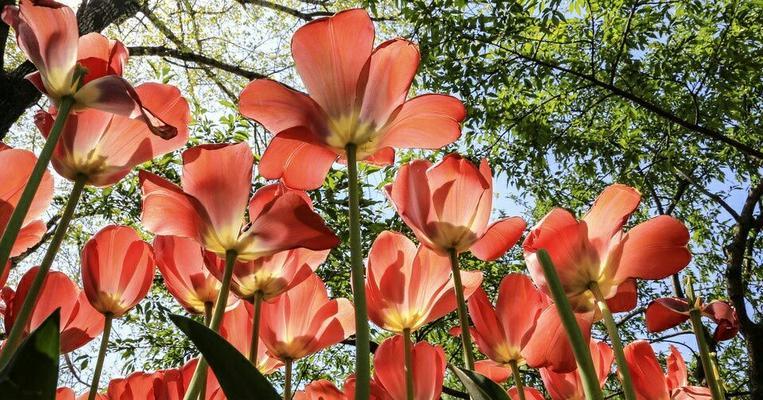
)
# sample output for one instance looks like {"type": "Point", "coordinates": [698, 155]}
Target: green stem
{"type": "Point", "coordinates": [25, 201]}
{"type": "Point", "coordinates": [362, 331]}
{"type": "Point", "coordinates": [203, 377]}
{"type": "Point", "coordinates": [287, 380]}
{"type": "Point", "coordinates": [101, 356]}
{"type": "Point", "coordinates": [208, 312]}
{"type": "Point", "coordinates": [517, 379]}
{"type": "Point", "coordinates": [408, 349]}
{"type": "Point", "coordinates": [199, 375]}
{"type": "Point", "coordinates": [617, 344]}
{"type": "Point", "coordinates": [22, 318]}
{"type": "Point", "coordinates": [704, 354]}
{"type": "Point", "coordinates": [463, 316]}
{"type": "Point", "coordinates": [257, 305]}
{"type": "Point", "coordinates": [579, 344]}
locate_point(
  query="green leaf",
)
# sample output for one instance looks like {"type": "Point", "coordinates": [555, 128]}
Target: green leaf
{"type": "Point", "coordinates": [239, 379]}
{"type": "Point", "coordinates": [478, 386]}
{"type": "Point", "coordinates": [32, 373]}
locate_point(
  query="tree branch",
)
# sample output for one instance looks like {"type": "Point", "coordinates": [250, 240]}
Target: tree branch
{"type": "Point", "coordinates": [163, 51]}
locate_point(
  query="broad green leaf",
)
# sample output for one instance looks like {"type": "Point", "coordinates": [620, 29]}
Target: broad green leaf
{"type": "Point", "coordinates": [478, 386]}
{"type": "Point", "coordinates": [32, 373]}
{"type": "Point", "coordinates": [239, 379]}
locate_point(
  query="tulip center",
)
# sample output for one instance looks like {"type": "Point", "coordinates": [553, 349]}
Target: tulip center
{"type": "Point", "coordinates": [350, 128]}
{"type": "Point", "coordinates": [398, 321]}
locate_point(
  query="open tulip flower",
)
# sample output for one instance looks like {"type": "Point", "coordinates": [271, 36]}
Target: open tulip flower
{"type": "Point", "coordinates": [181, 263]}
{"type": "Point", "coordinates": [428, 369]}
{"type": "Point", "coordinates": [87, 69]}
{"type": "Point", "coordinates": [80, 322]}
{"type": "Point", "coordinates": [304, 320]}
{"type": "Point", "coordinates": [237, 327]}
{"type": "Point", "coordinates": [666, 313]}
{"type": "Point", "coordinates": [13, 182]}
{"type": "Point", "coordinates": [594, 251]}
{"type": "Point", "coordinates": [212, 202]}
{"type": "Point", "coordinates": [650, 381]}
{"type": "Point", "coordinates": [357, 96]}
{"type": "Point", "coordinates": [117, 270]}
{"type": "Point", "coordinates": [102, 147]}
{"type": "Point", "coordinates": [448, 206]}
{"type": "Point", "coordinates": [409, 287]}
{"type": "Point", "coordinates": [568, 386]}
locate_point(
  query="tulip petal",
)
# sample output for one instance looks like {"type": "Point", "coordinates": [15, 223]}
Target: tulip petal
{"type": "Point", "coordinates": [530, 393]}
{"type": "Point", "coordinates": [654, 249]}
{"type": "Point", "coordinates": [646, 373]}
{"type": "Point", "coordinates": [665, 313]}
{"type": "Point", "coordinates": [167, 210]}
{"type": "Point", "coordinates": [494, 371]}
{"type": "Point", "coordinates": [279, 108]}
{"type": "Point", "coordinates": [626, 297]}
{"type": "Point", "coordinates": [428, 369]}
{"type": "Point", "coordinates": [725, 316]}
{"type": "Point", "coordinates": [691, 393]}
{"type": "Point", "coordinates": [14, 181]}
{"type": "Point", "coordinates": [295, 157]}
{"type": "Point", "coordinates": [549, 346]}
{"type": "Point", "coordinates": [392, 67]}
{"type": "Point", "coordinates": [101, 56]}
{"type": "Point", "coordinates": [677, 375]}
{"type": "Point", "coordinates": [330, 55]}
{"type": "Point", "coordinates": [429, 121]}
{"type": "Point", "coordinates": [610, 211]}
{"type": "Point", "coordinates": [498, 238]}
{"type": "Point", "coordinates": [410, 195]}
{"type": "Point", "coordinates": [518, 307]}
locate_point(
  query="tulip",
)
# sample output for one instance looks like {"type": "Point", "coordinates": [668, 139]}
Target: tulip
{"type": "Point", "coordinates": [303, 321]}
{"type": "Point", "coordinates": [117, 272]}
{"type": "Point", "coordinates": [598, 263]}
{"type": "Point", "coordinates": [569, 386]}
{"type": "Point", "coordinates": [210, 209]}
{"type": "Point", "coordinates": [80, 322]}
{"type": "Point", "coordinates": [138, 385]}
{"type": "Point", "coordinates": [65, 393]}
{"type": "Point", "coordinates": [102, 148]}
{"type": "Point", "coordinates": [237, 327]}
{"type": "Point", "coordinates": [666, 313]}
{"type": "Point", "coordinates": [212, 389]}
{"type": "Point", "coordinates": [526, 393]}
{"type": "Point", "coordinates": [650, 381]}
{"type": "Point", "coordinates": [181, 263]}
{"type": "Point", "coordinates": [448, 206]}
{"type": "Point", "coordinates": [320, 390]}
{"type": "Point", "coordinates": [428, 370]}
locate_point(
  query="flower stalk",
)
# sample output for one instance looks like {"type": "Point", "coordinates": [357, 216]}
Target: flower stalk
{"type": "Point", "coordinates": [109, 318]}
{"type": "Point", "coordinates": [517, 379]}
{"type": "Point", "coordinates": [408, 350]}
{"type": "Point", "coordinates": [287, 380]}
{"type": "Point", "coordinates": [695, 315]}
{"type": "Point", "coordinates": [257, 305]}
{"type": "Point", "coordinates": [463, 316]}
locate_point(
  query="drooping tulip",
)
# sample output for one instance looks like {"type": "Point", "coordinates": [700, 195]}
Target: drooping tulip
{"type": "Point", "coordinates": [448, 206]}
{"type": "Point", "coordinates": [13, 182]}
{"type": "Point", "coordinates": [87, 69]}
{"type": "Point", "coordinates": [530, 393]}
{"type": "Point", "coordinates": [211, 205]}
{"type": "Point", "coordinates": [237, 327]}
{"type": "Point", "coordinates": [428, 369]}
{"type": "Point", "coordinates": [650, 381]}
{"type": "Point", "coordinates": [181, 263]}
{"type": "Point", "coordinates": [117, 270]}
{"type": "Point", "coordinates": [408, 287]}
{"type": "Point", "coordinates": [665, 313]}
{"type": "Point", "coordinates": [80, 322]}
{"type": "Point", "coordinates": [568, 386]}
{"type": "Point", "coordinates": [304, 320]}
{"type": "Point", "coordinates": [596, 251]}
{"type": "Point", "coordinates": [103, 147]}
{"type": "Point", "coordinates": [357, 95]}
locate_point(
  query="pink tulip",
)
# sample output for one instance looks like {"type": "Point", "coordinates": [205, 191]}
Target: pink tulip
{"type": "Point", "coordinates": [320, 390]}
{"type": "Point", "coordinates": [665, 313]}
{"type": "Point", "coordinates": [652, 384]}
{"type": "Point", "coordinates": [428, 369]}
{"type": "Point", "coordinates": [568, 386]}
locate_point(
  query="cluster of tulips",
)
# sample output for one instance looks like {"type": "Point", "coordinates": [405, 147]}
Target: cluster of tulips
{"type": "Point", "coordinates": [247, 265]}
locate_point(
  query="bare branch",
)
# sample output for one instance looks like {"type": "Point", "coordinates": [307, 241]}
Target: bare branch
{"type": "Point", "coordinates": [163, 51]}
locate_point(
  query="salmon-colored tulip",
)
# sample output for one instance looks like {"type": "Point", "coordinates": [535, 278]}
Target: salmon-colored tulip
{"type": "Point", "coordinates": [13, 182]}
{"type": "Point", "coordinates": [303, 321]}
{"type": "Point", "coordinates": [213, 391]}
{"type": "Point", "coordinates": [80, 322]}
{"type": "Point", "coordinates": [117, 270]}
{"type": "Point", "coordinates": [212, 203]}
{"type": "Point", "coordinates": [87, 68]}
{"type": "Point", "coordinates": [104, 147]}
{"type": "Point", "coordinates": [138, 385]}
{"type": "Point", "coordinates": [237, 328]}
{"type": "Point", "coordinates": [530, 393]}
{"type": "Point", "coordinates": [428, 369]}
{"type": "Point", "coordinates": [652, 384]}
{"type": "Point", "coordinates": [408, 287]}
{"type": "Point", "coordinates": [665, 313]}
{"type": "Point", "coordinates": [320, 390]}
{"type": "Point", "coordinates": [596, 251]}
{"type": "Point", "coordinates": [448, 206]}
{"type": "Point", "coordinates": [568, 386]}
{"type": "Point", "coordinates": [65, 393]}
{"type": "Point", "coordinates": [357, 95]}
{"type": "Point", "coordinates": [376, 390]}
{"type": "Point", "coordinates": [181, 263]}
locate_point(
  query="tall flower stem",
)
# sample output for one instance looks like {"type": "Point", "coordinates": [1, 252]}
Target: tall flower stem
{"type": "Point", "coordinates": [257, 305]}
{"type": "Point", "coordinates": [579, 345]}
{"type": "Point", "coordinates": [199, 375]}
{"type": "Point", "coordinates": [25, 201]}
{"type": "Point", "coordinates": [408, 350]}
{"type": "Point", "coordinates": [287, 380]}
{"type": "Point", "coordinates": [362, 331]}
{"type": "Point", "coordinates": [22, 318]}
{"type": "Point", "coordinates": [517, 379]}
{"type": "Point", "coordinates": [695, 315]}
{"type": "Point", "coordinates": [463, 316]}
{"type": "Point", "coordinates": [617, 344]}
{"type": "Point", "coordinates": [208, 312]}
{"type": "Point", "coordinates": [101, 356]}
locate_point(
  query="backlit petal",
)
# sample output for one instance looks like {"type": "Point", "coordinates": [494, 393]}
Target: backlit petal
{"type": "Point", "coordinates": [498, 238]}
{"type": "Point", "coordinates": [654, 249]}
{"type": "Point", "coordinates": [295, 157]}
{"type": "Point", "coordinates": [429, 121]}
{"type": "Point", "coordinates": [665, 313]}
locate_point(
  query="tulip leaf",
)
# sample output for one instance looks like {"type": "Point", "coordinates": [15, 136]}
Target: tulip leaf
{"type": "Point", "coordinates": [239, 379]}
{"type": "Point", "coordinates": [32, 373]}
{"type": "Point", "coordinates": [478, 386]}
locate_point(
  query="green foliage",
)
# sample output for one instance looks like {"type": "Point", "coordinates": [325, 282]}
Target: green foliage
{"type": "Point", "coordinates": [32, 373]}
{"type": "Point", "coordinates": [478, 386]}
